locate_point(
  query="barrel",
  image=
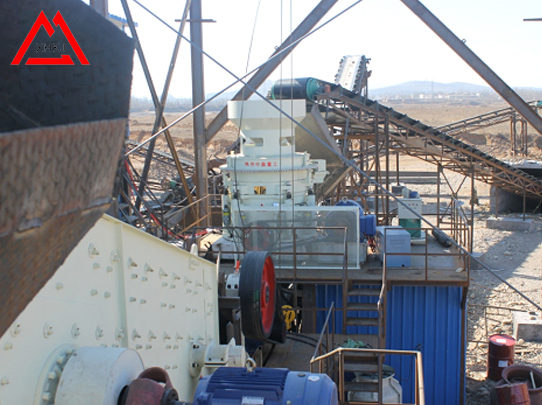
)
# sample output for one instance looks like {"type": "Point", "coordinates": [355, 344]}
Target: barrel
{"type": "Point", "coordinates": [500, 355]}
{"type": "Point", "coordinates": [528, 375]}
{"type": "Point", "coordinates": [513, 394]}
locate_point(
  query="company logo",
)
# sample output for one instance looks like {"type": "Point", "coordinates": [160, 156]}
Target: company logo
{"type": "Point", "coordinates": [64, 59]}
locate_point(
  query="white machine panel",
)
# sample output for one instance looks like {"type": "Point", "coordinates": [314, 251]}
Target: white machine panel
{"type": "Point", "coordinates": [120, 287]}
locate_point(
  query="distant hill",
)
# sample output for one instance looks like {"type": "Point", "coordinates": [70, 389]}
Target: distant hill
{"type": "Point", "coordinates": [427, 87]}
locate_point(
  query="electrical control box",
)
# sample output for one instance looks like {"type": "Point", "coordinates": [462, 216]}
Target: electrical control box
{"type": "Point", "coordinates": [393, 239]}
{"type": "Point", "coordinates": [413, 203]}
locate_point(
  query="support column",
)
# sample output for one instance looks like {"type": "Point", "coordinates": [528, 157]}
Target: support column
{"type": "Point", "coordinates": [198, 97]}
{"type": "Point", "coordinates": [439, 171]}
{"type": "Point", "coordinates": [472, 192]}
{"type": "Point", "coordinates": [524, 202]}
{"type": "Point", "coordinates": [387, 134]}
{"type": "Point", "coordinates": [397, 166]}
{"type": "Point", "coordinates": [378, 177]}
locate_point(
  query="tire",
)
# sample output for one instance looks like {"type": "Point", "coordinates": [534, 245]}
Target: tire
{"type": "Point", "coordinates": [278, 334]}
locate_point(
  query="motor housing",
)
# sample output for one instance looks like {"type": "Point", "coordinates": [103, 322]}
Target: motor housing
{"type": "Point", "coordinates": [269, 386]}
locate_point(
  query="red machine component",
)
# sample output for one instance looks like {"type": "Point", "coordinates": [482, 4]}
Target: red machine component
{"type": "Point", "coordinates": [151, 387]}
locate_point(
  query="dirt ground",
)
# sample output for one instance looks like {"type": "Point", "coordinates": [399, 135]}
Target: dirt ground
{"type": "Point", "coordinates": [514, 256]}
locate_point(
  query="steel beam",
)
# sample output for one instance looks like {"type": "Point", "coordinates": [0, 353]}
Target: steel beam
{"type": "Point", "coordinates": [475, 63]}
{"type": "Point", "coordinates": [198, 97]}
{"type": "Point", "coordinates": [263, 73]}
{"type": "Point", "coordinates": [158, 104]}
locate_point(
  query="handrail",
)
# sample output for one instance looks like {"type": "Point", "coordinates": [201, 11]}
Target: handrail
{"type": "Point", "coordinates": [293, 251]}
{"type": "Point", "coordinates": [325, 329]}
{"type": "Point", "coordinates": [340, 353]}
{"type": "Point", "coordinates": [381, 303]}
{"type": "Point", "coordinates": [459, 255]}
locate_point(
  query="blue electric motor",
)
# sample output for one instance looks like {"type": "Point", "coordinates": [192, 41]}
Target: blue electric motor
{"type": "Point", "coordinates": [265, 386]}
{"type": "Point", "coordinates": [367, 223]}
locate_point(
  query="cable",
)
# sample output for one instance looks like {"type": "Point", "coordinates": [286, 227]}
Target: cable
{"type": "Point", "coordinates": [300, 340]}
{"type": "Point", "coordinates": [280, 136]}
{"type": "Point", "coordinates": [252, 36]}
{"type": "Point", "coordinates": [239, 137]}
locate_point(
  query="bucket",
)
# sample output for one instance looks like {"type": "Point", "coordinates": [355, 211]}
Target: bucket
{"type": "Point", "coordinates": [392, 391]}
{"type": "Point", "coordinates": [500, 355]}
{"type": "Point", "coordinates": [522, 374]}
{"type": "Point", "coordinates": [513, 394]}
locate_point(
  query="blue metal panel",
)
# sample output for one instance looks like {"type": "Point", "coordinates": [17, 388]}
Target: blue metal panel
{"type": "Point", "coordinates": [326, 294]}
{"type": "Point", "coordinates": [427, 319]}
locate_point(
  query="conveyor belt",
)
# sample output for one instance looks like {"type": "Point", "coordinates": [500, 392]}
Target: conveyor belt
{"type": "Point", "coordinates": [483, 120]}
{"type": "Point", "coordinates": [425, 142]}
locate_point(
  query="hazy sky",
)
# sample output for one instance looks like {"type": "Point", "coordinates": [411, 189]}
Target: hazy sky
{"type": "Point", "coordinates": [400, 46]}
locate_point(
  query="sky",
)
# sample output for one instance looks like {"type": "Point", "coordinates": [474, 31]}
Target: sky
{"type": "Point", "coordinates": [401, 47]}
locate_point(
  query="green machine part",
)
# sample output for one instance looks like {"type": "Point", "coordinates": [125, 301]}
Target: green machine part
{"type": "Point", "coordinates": [412, 223]}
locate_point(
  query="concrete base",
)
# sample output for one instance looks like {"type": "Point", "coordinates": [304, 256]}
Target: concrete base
{"type": "Point", "coordinates": [512, 224]}
{"type": "Point", "coordinates": [527, 326]}
{"type": "Point", "coordinates": [473, 264]}
{"type": "Point", "coordinates": [501, 201]}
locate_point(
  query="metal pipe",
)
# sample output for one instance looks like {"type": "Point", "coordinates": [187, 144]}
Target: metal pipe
{"type": "Point", "coordinates": [263, 73]}
{"type": "Point", "coordinates": [475, 63]}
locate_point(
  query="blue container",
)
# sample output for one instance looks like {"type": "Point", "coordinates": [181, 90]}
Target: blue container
{"type": "Point", "coordinates": [427, 319]}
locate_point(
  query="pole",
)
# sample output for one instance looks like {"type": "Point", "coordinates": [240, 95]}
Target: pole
{"type": "Point", "coordinates": [387, 132]}
{"type": "Point", "coordinates": [198, 97]}
{"type": "Point", "coordinates": [472, 202]}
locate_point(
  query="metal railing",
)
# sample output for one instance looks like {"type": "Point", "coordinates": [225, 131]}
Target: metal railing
{"type": "Point", "coordinates": [333, 362]}
{"type": "Point", "coordinates": [459, 258]}
{"type": "Point", "coordinates": [338, 355]}
{"type": "Point", "coordinates": [198, 214]}
{"type": "Point", "coordinates": [290, 255]}
{"type": "Point", "coordinates": [382, 306]}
